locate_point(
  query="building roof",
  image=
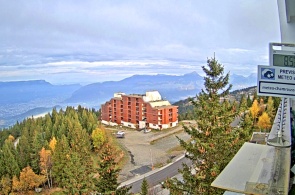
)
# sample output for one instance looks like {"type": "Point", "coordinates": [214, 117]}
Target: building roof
{"type": "Point", "coordinates": [160, 103]}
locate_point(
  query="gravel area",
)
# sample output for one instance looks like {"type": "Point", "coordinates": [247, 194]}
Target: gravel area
{"type": "Point", "coordinates": [149, 150]}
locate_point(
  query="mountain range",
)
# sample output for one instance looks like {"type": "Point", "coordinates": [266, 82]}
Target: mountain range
{"type": "Point", "coordinates": [20, 97]}
{"type": "Point", "coordinates": [171, 87]}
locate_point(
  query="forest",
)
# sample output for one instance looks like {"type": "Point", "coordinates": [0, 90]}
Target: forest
{"type": "Point", "coordinates": [66, 150]}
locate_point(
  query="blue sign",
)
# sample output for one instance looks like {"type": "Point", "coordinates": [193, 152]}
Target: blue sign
{"type": "Point", "coordinates": [268, 73]}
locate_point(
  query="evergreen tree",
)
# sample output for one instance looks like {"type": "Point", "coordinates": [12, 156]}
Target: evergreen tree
{"type": "Point", "coordinates": [144, 187]}
{"type": "Point", "coordinates": [108, 171]}
{"type": "Point", "coordinates": [5, 185]}
{"type": "Point", "coordinates": [123, 191]}
{"type": "Point", "coordinates": [60, 160]}
{"type": "Point", "coordinates": [214, 142]}
{"type": "Point", "coordinates": [9, 162]}
{"type": "Point", "coordinates": [77, 180]}
{"type": "Point", "coordinates": [2, 168]}
{"type": "Point", "coordinates": [270, 108]}
{"type": "Point", "coordinates": [276, 102]}
{"type": "Point", "coordinates": [243, 104]}
{"type": "Point", "coordinates": [249, 101]}
{"type": "Point", "coordinates": [70, 153]}
{"type": "Point", "coordinates": [24, 148]}
{"type": "Point", "coordinates": [255, 96]}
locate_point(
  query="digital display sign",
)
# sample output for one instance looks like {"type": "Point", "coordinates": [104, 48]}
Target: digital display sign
{"type": "Point", "coordinates": [284, 60]}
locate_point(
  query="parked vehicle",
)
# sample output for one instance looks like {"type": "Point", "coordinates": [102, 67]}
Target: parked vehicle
{"type": "Point", "coordinates": [120, 134]}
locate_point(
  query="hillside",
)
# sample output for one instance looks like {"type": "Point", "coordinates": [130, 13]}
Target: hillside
{"type": "Point", "coordinates": [185, 107]}
{"type": "Point", "coordinates": [171, 87]}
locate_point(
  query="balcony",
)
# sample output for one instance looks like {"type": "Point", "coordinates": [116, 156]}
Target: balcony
{"type": "Point", "coordinates": [262, 169]}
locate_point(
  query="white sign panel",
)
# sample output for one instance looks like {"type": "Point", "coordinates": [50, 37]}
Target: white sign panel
{"type": "Point", "coordinates": [276, 81]}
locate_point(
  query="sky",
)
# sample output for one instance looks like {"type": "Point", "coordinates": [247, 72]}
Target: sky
{"type": "Point", "coordinates": [65, 42]}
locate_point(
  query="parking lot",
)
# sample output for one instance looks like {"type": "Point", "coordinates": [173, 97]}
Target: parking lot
{"type": "Point", "coordinates": [147, 151]}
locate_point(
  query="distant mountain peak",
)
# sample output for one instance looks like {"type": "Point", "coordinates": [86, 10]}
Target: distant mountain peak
{"type": "Point", "coordinates": [191, 73]}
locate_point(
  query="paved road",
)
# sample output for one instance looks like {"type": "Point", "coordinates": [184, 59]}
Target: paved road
{"type": "Point", "coordinates": [157, 176]}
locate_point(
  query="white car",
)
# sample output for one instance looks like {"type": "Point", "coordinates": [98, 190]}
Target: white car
{"type": "Point", "coordinates": [120, 134]}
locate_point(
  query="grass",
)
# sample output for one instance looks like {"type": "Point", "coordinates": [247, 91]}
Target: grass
{"type": "Point", "coordinates": [164, 136]}
{"type": "Point", "coordinates": [178, 148]}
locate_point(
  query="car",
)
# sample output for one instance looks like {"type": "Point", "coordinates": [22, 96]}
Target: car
{"type": "Point", "coordinates": [120, 134]}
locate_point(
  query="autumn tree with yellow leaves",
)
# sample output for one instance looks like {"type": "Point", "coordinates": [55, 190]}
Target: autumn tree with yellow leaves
{"type": "Point", "coordinates": [98, 138]}
{"type": "Point", "coordinates": [264, 122]}
{"type": "Point", "coordinates": [254, 110]}
{"type": "Point", "coordinates": [46, 165]}
{"type": "Point", "coordinates": [27, 181]}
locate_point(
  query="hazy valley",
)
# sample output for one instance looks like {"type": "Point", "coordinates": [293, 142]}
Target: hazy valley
{"type": "Point", "coordinates": [23, 99]}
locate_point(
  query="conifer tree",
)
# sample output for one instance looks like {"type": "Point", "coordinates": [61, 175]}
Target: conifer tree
{"type": "Point", "coordinates": [9, 161]}
{"type": "Point", "coordinates": [213, 142]}
{"type": "Point", "coordinates": [243, 104]}
{"type": "Point", "coordinates": [270, 108]}
{"type": "Point", "coordinates": [38, 143]}
{"type": "Point", "coordinates": [77, 179]}
{"type": "Point", "coordinates": [144, 187]}
{"type": "Point", "coordinates": [60, 161]}
{"type": "Point", "coordinates": [249, 101]}
{"type": "Point", "coordinates": [5, 185]}
{"type": "Point", "coordinates": [108, 171]}
{"type": "Point", "coordinates": [24, 148]}
{"type": "Point", "coordinates": [2, 168]}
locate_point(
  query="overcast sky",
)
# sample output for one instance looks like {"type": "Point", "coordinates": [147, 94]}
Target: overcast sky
{"type": "Point", "coordinates": [93, 40]}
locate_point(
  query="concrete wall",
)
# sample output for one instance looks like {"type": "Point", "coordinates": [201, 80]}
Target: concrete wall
{"type": "Point", "coordinates": [287, 20]}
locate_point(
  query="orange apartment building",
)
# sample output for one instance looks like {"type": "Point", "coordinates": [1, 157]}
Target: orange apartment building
{"type": "Point", "coordinates": [139, 111]}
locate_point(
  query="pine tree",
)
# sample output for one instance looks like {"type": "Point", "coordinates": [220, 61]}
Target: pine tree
{"type": "Point", "coordinates": [77, 180]}
{"type": "Point", "coordinates": [60, 161]}
{"type": "Point", "coordinates": [214, 142]}
{"type": "Point", "coordinates": [5, 185]}
{"type": "Point", "coordinates": [24, 148]}
{"type": "Point", "coordinates": [144, 187]}
{"type": "Point", "coordinates": [9, 161]}
{"type": "Point", "coordinates": [270, 108]}
{"type": "Point", "coordinates": [243, 104]}
{"type": "Point", "coordinates": [38, 143]}
{"type": "Point", "coordinates": [70, 153]}
{"type": "Point", "coordinates": [249, 101]}
{"type": "Point", "coordinates": [108, 171]}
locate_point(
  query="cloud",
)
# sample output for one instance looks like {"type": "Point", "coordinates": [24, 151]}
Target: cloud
{"type": "Point", "coordinates": [89, 38]}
